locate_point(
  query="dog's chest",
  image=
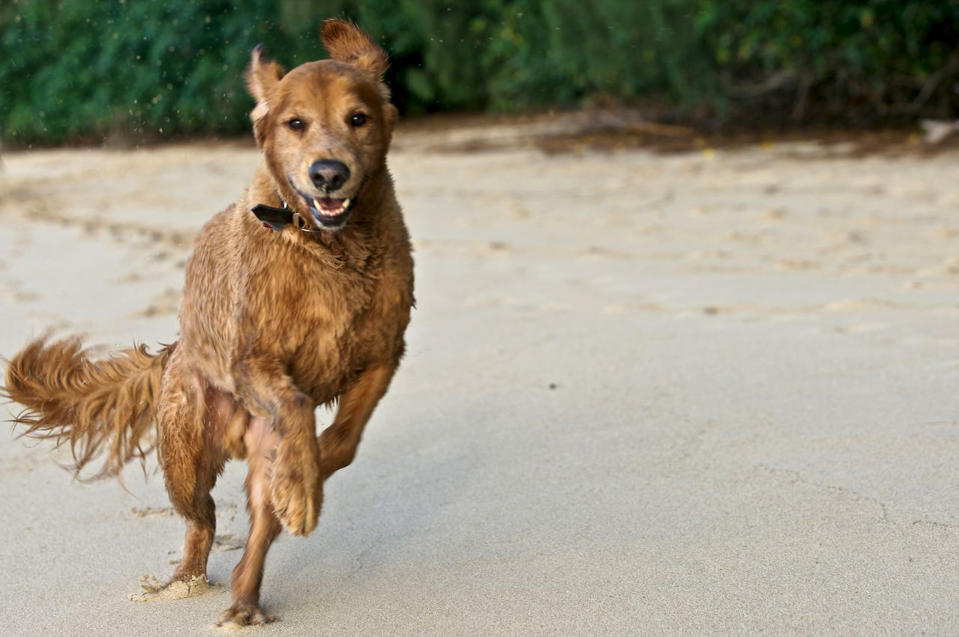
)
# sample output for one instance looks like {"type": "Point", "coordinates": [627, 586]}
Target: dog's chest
{"type": "Point", "coordinates": [339, 321]}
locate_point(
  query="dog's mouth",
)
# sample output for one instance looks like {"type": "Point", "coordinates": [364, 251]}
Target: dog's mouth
{"type": "Point", "coordinates": [327, 212]}
{"type": "Point", "coordinates": [330, 212]}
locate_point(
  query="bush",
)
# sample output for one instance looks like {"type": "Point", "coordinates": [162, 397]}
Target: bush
{"type": "Point", "coordinates": [82, 70]}
{"type": "Point", "coordinates": [866, 61]}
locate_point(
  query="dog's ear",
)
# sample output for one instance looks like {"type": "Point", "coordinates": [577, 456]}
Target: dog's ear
{"type": "Point", "coordinates": [347, 44]}
{"type": "Point", "coordinates": [262, 76]}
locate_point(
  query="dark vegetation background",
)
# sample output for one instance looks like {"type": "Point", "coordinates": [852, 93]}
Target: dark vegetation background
{"type": "Point", "coordinates": [85, 70]}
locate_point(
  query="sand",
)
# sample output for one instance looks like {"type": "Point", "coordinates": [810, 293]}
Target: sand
{"type": "Point", "coordinates": [712, 392]}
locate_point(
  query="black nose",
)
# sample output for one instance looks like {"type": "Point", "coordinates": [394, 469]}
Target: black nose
{"type": "Point", "coordinates": [329, 174]}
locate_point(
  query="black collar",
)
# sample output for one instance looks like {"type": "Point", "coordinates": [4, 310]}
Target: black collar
{"type": "Point", "coordinates": [278, 218]}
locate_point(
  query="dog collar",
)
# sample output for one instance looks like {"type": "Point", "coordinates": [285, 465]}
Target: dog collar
{"type": "Point", "coordinates": [278, 218]}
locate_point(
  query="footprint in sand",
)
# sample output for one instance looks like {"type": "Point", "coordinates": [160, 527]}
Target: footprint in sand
{"type": "Point", "coordinates": [227, 542]}
{"type": "Point", "coordinates": [152, 512]}
{"type": "Point", "coordinates": [154, 591]}
{"type": "Point", "coordinates": [168, 302]}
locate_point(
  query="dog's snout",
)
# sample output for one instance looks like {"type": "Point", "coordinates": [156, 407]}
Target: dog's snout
{"type": "Point", "coordinates": [329, 174]}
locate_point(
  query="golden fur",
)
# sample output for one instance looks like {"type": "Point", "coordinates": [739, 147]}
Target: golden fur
{"type": "Point", "coordinates": [272, 324]}
{"type": "Point", "coordinates": [108, 402]}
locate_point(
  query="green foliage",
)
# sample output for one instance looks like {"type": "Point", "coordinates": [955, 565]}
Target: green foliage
{"type": "Point", "coordinates": [863, 59]}
{"type": "Point", "coordinates": [137, 69]}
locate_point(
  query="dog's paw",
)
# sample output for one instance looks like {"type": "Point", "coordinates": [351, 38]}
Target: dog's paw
{"type": "Point", "coordinates": [296, 504]}
{"type": "Point", "coordinates": [297, 492]}
{"type": "Point", "coordinates": [243, 614]}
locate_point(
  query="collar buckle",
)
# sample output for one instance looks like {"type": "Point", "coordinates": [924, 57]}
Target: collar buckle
{"type": "Point", "coordinates": [300, 223]}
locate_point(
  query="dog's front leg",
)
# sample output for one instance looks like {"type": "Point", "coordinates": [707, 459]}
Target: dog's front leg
{"type": "Point", "coordinates": [339, 441]}
{"type": "Point", "coordinates": [296, 487]}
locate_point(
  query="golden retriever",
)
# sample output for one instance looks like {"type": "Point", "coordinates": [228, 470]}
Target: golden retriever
{"type": "Point", "coordinates": [309, 310]}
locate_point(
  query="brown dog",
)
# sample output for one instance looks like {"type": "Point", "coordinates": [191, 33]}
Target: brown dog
{"type": "Point", "coordinates": [272, 324]}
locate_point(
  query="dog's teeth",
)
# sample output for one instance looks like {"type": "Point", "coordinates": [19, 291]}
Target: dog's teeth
{"type": "Point", "coordinates": [326, 212]}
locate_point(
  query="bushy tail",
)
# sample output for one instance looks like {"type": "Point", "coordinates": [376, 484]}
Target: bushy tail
{"type": "Point", "coordinates": [100, 406]}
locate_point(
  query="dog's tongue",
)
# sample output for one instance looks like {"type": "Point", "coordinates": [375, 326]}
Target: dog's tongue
{"type": "Point", "coordinates": [329, 205]}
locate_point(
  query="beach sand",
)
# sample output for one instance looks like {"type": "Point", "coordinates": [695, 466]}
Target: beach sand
{"type": "Point", "coordinates": [711, 392]}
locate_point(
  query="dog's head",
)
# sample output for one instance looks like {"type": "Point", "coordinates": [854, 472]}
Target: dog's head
{"type": "Point", "coordinates": [325, 126]}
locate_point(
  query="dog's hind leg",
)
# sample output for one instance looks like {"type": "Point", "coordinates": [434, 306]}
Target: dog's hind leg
{"type": "Point", "coordinates": [192, 459]}
{"type": "Point", "coordinates": [261, 442]}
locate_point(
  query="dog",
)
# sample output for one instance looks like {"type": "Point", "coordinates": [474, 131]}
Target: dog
{"type": "Point", "coordinates": [296, 296]}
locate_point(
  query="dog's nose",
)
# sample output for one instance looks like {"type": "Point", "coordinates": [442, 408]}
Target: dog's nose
{"type": "Point", "coordinates": [329, 174]}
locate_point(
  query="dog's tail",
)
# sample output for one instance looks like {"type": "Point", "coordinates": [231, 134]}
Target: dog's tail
{"type": "Point", "coordinates": [97, 405]}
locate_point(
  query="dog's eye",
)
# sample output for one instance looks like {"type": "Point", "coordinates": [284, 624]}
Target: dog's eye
{"type": "Point", "coordinates": [296, 124]}
{"type": "Point", "coordinates": [358, 119]}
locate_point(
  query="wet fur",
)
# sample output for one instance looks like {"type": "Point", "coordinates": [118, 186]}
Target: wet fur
{"type": "Point", "coordinates": [272, 325]}
{"type": "Point", "coordinates": [107, 405]}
